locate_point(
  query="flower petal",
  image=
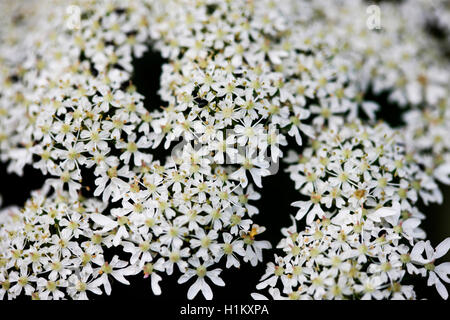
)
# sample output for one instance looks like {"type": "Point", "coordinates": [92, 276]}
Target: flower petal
{"type": "Point", "coordinates": [258, 296]}
{"type": "Point", "coordinates": [442, 249]}
{"type": "Point", "coordinates": [194, 289]}
{"type": "Point", "coordinates": [443, 270]}
{"type": "Point", "coordinates": [206, 290]}
{"type": "Point", "coordinates": [441, 290]}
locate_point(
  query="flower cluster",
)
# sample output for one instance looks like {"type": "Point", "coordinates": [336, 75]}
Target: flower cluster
{"type": "Point", "coordinates": [242, 78]}
{"type": "Point", "coordinates": [361, 183]}
{"type": "Point", "coordinates": [186, 212]}
{"type": "Point", "coordinates": [48, 249]}
{"type": "Point", "coordinates": [61, 240]}
{"type": "Point", "coordinates": [362, 226]}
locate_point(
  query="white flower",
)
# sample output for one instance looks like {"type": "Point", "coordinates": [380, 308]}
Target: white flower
{"type": "Point", "coordinates": [48, 288]}
{"type": "Point", "coordinates": [200, 270]}
{"type": "Point", "coordinates": [83, 283]}
{"type": "Point", "coordinates": [231, 249]}
{"type": "Point", "coordinates": [132, 149]}
{"type": "Point", "coordinates": [436, 273]}
{"type": "Point", "coordinates": [117, 269]}
{"type": "Point", "coordinates": [22, 280]}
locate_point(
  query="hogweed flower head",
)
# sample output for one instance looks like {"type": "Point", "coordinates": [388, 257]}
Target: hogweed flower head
{"type": "Point", "coordinates": [240, 81]}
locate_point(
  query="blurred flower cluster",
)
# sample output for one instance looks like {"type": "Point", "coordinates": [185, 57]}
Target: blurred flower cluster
{"type": "Point", "coordinates": [244, 82]}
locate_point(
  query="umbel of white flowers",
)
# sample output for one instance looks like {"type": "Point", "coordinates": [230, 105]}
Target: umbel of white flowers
{"type": "Point", "coordinates": [241, 78]}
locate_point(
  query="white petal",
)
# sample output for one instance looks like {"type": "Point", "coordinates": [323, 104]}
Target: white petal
{"type": "Point", "coordinates": [118, 275]}
{"type": "Point", "coordinates": [194, 289]}
{"type": "Point", "coordinates": [416, 253]}
{"type": "Point", "coordinates": [216, 280]}
{"type": "Point", "coordinates": [382, 213]}
{"type": "Point", "coordinates": [432, 279]}
{"type": "Point", "coordinates": [442, 173]}
{"type": "Point", "coordinates": [441, 289]}
{"type": "Point", "coordinates": [103, 221]}
{"type": "Point", "coordinates": [185, 277]}
{"type": "Point", "coordinates": [106, 284]}
{"type": "Point", "coordinates": [442, 249]}
{"type": "Point", "coordinates": [155, 285]}
{"type": "Point", "coordinates": [443, 270]}
{"type": "Point", "coordinates": [206, 290]}
{"type": "Point", "coordinates": [258, 296]}
{"type": "Point", "coordinates": [256, 175]}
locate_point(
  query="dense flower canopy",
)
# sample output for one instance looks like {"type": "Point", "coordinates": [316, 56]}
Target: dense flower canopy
{"type": "Point", "coordinates": [244, 83]}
